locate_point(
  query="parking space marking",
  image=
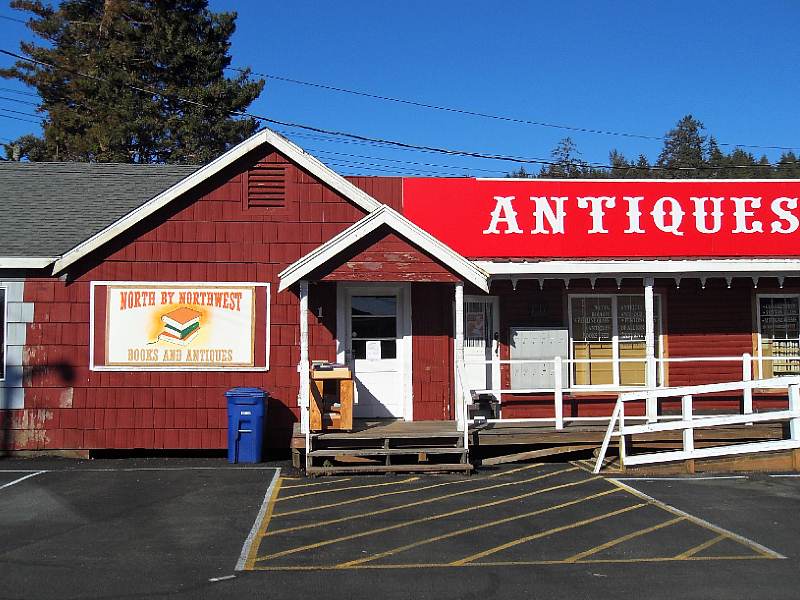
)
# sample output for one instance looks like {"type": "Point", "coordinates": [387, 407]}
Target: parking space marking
{"type": "Point", "coordinates": [302, 548]}
{"type": "Point", "coordinates": [541, 534]}
{"type": "Point", "coordinates": [351, 487]}
{"type": "Point", "coordinates": [402, 506]}
{"type": "Point", "coordinates": [413, 490]}
{"type": "Point", "coordinates": [419, 520]}
{"type": "Point", "coordinates": [20, 479]}
{"type": "Point", "coordinates": [250, 546]}
{"type": "Point", "coordinates": [476, 528]}
{"type": "Point", "coordinates": [291, 486]}
{"type": "Point", "coordinates": [753, 545]}
{"type": "Point", "coordinates": [623, 538]}
{"type": "Point", "coordinates": [700, 547]}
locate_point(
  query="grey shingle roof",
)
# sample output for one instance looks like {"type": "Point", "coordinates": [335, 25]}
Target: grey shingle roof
{"type": "Point", "coordinates": [47, 209]}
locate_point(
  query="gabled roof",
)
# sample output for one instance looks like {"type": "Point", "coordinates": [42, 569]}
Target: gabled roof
{"type": "Point", "coordinates": [46, 209]}
{"type": "Point", "coordinates": [389, 217]}
{"type": "Point", "coordinates": [264, 137]}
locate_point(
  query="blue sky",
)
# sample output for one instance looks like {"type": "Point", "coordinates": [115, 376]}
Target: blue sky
{"type": "Point", "coordinates": [631, 67]}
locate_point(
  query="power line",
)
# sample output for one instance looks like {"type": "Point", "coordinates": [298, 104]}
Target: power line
{"type": "Point", "coordinates": [394, 143]}
{"type": "Point", "coordinates": [20, 101]}
{"type": "Point", "coordinates": [405, 162]}
{"type": "Point", "coordinates": [20, 92]}
{"type": "Point", "coordinates": [18, 119]}
{"type": "Point", "coordinates": [473, 113]}
{"type": "Point", "coordinates": [18, 112]}
{"type": "Point", "coordinates": [13, 19]}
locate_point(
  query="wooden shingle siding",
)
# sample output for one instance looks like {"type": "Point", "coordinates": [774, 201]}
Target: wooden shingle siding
{"type": "Point", "coordinates": [432, 351]}
{"type": "Point", "coordinates": [211, 237]}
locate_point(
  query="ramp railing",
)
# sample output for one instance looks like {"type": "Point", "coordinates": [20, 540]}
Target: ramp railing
{"type": "Point", "coordinates": [688, 421]}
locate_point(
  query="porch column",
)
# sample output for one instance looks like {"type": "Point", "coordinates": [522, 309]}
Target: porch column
{"type": "Point", "coordinates": [459, 352]}
{"type": "Point", "coordinates": [303, 366]}
{"type": "Point", "coordinates": [650, 347]}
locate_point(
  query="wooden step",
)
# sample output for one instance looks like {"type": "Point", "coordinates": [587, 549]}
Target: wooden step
{"type": "Point", "coordinates": [422, 468]}
{"type": "Point", "coordinates": [384, 451]}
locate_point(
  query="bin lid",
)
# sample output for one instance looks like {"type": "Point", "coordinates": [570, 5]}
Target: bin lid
{"type": "Point", "coordinates": [246, 392]}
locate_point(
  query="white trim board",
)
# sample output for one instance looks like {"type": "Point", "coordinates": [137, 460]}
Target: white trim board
{"type": "Point", "coordinates": [385, 215]}
{"type": "Point", "coordinates": [26, 262]}
{"type": "Point", "coordinates": [264, 137]}
{"type": "Point", "coordinates": [642, 268]}
{"type": "Point", "coordinates": [94, 367]}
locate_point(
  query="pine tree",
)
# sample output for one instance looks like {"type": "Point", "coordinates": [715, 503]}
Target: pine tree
{"type": "Point", "coordinates": [684, 150]}
{"type": "Point", "coordinates": [179, 48]}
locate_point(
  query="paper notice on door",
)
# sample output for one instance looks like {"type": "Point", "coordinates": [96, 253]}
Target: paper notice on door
{"type": "Point", "coordinates": [373, 350]}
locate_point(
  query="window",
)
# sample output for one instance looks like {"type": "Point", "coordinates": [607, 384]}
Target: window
{"type": "Point", "coordinates": [779, 335]}
{"type": "Point", "coordinates": [373, 326]}
{"type": "Point", "coordinates": [605, 329]}
{"type": "Point", "coordinates": [2, 333]}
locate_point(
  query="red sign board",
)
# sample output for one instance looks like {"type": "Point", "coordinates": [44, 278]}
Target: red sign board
{"type": "Point", "coordinates": [482, 218]}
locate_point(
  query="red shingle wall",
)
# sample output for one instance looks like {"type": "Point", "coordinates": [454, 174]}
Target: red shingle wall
{"type": "Point", "coordinates": [432, 350]}
{"type": "Point", "coordinates": [211, 236]}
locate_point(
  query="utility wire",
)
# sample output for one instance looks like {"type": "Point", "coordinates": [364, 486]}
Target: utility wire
{"type": "Point", "coordinates": [20, 92]}
{"type": "Point", "coordinates": [473, 113]}
{"type": "Point", "coordinates": [13, 19]}
{"type": "Point", "coordinates": [395, 143]}
{"type": "Point", "coordinates": [18, 119]}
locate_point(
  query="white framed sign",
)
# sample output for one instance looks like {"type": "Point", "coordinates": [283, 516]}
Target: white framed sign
{"type": "Point", "coordinates": [179, 326]}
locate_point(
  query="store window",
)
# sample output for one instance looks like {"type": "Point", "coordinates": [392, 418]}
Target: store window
{"type": "Point", "coordinates": [607, 335]}
{"type": "Point", "coordinates": [779, 335]}
{"type": "Point", "coordinates": [2, 333]}
{"type": "Point", "coordinates": [373, 320]}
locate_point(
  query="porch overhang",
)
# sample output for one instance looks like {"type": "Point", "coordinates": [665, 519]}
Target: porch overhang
{"type": "Point", "coordinates": [385, 216]}
{"type": "Point", "coordinates": [616, 269]}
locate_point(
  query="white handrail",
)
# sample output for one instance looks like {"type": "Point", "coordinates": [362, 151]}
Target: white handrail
{"type": "Point", "coordinates": [689, 421]}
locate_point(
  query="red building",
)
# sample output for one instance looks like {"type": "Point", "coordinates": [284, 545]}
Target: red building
{"type": "Point", "coordinates": [134, 296]}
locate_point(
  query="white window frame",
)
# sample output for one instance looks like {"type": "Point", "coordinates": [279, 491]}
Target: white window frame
{"type": "Point", "coordinates": [4, 362]}
{"type": "Point", "coordinates": [615, 385]}
{"type": "Point", "coordinates": [760, 337]}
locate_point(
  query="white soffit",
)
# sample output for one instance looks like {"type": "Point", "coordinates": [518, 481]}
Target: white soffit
{"type": "Point", "coordinates": [266, 136]}
{"type": "Point", "coordinates": [655, 267]}
{"type": "Point", "coordinates": [25, 262]}
{"type": "Point", "coordinates": [398, 223]}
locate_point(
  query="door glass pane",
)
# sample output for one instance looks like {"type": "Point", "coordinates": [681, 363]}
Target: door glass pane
{"type": "Point", "coordinates": [373, 319]}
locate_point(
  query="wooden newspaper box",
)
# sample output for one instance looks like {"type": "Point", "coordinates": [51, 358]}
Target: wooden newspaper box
{"type": "Point", "coordinates": [331, 398]}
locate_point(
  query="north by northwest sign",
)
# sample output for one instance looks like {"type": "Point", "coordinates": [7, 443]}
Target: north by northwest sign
{"type": "Point", "coordinates": [608, 218]}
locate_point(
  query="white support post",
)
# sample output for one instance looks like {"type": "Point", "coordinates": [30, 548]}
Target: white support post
{"type": "Point", "coordinates": [747, 392]}
{"type": "Point", "coordinates": [461, 408]}
{"type": "Point", "coordinates": [303, 366]}
{"type": "Point", "coordinates": [622, 451]}
{"type": "Point", "coordinates": [794, 406]}
{"type": "Point", "coordinates": [650, 348]}
{"type": "Point", "coordinates": [559, 393]}
{"type": "Point", "coordinates": [687, 415]}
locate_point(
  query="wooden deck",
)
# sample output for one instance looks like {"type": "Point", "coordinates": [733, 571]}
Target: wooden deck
{"type": "Point", "coordinates": [402, 446]}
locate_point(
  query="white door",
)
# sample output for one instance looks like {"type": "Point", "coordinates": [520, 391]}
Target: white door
{"type": "Point", "coordinates": [375, 326]}
{"type": "Point", "coordinates": [481, 342]}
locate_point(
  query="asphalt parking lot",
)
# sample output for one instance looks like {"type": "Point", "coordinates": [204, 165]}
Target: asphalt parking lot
{"type": "Point", "coordinates": [203, 529]}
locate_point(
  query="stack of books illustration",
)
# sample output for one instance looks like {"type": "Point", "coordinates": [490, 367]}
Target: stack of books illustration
{"type": "Point", "coordinates": [181, 326]}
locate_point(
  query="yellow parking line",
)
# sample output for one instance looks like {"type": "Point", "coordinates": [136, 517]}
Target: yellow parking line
{"type": "Point", "coordinates": [476, 528]}
{"type": "Point", "coordinates": [406, 523]}
{"type": "Point", "coordinates": [402, 506]}
{"type": "Point", "coordinates": [748, 543]}
{"type": "Point", "coordinates": [525, 468]}
{"type": "Point", "coordinates": [300, 485]}
{"type": "Point", "coordinates": [700, 547]}
{"type": "Point", "coordinates": [541, 534]}
{"type": "Point", "coordinates": [414, 490]}
{"type": "Point", "coordinates": [621, 539]}
{"type": "Point", "coordinates": [350, 487]}
{"type": "Point", "coordinates": [251, 557]}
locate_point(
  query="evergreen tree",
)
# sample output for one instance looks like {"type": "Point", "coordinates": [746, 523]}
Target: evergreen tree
{"type": "Point", "coordinates": [568, 164]}
{"type": "Point", "coordinates": [684, 150]}
{"type": "Point", "coordinates": [178, 48]}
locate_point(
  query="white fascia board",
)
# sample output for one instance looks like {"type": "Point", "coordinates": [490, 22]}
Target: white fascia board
{"type": "Point", "coordinates": [266, 136]}
{"type": "Point", "coordinates": [656, 267]}
{"type": "Point", "coordinates": [26, 262]}
{"type": "Point", "coordinates": [391, 218]}
{"type": "Point", "coordinates": [551, 180]}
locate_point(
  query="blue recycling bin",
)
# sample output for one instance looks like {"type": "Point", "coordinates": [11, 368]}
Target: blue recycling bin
{"type": "Point", "coordinates": [246, 412]}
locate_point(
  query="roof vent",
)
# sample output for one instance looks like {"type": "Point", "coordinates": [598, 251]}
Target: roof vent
{"type": "Point", "coordinates": [266, 185]}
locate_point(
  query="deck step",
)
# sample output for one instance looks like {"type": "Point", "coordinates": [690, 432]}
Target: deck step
{"type": "Point", "coordinates": [422, 468]}
{"type": "Point", "coordinates": [384, 451]}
